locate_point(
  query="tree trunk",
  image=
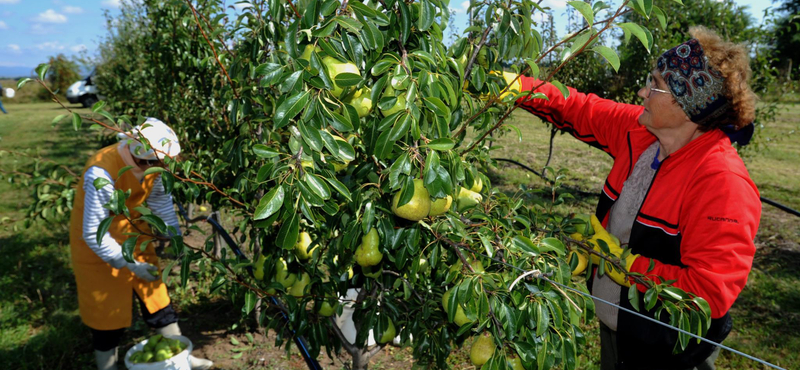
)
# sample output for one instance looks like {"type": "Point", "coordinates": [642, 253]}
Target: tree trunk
{"type": "Point", "coordinates": [361, 360]}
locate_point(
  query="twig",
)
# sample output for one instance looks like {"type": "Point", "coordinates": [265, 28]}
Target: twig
{"type": "Point", "coordinates": [389, 272]}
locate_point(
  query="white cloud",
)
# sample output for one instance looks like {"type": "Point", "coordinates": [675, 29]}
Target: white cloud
{"type": "Point", "coordinates": [9, 1]}
{"type": "Point", "coordinates": [40, 29]}
{"type": "Point", "coordinates": [554, 4]}
{"type": "Point", "coordinates": [50, 16]}
{"type": "Point", "coordinates": [110, 3]}
{"type": "Point", "coordinates": [465, 6]}
{"type": "Point", "coordinates": [50, 45]}
{"type": "Point", "coordinates": [241, 6]}
{"type": "Point", "coordinates": [14, 48]}
{"type": "Point", "coordinates": [78, 48]}
{"type": "Point", "coordinates": [3, 25]}
{"type": "Point", "coordinates": [72, 9]}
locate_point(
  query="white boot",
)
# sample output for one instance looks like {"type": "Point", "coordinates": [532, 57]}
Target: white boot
{"type": "Point", "coordinates": [106, 360]}
{"type": "Point", "coordinates": [194, 362]}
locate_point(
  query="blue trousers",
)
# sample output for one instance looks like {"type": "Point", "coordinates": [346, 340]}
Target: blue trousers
{"type": "Point", "coordinates": [1, 107]}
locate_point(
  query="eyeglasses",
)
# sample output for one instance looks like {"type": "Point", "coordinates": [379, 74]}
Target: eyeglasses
{"type": "Point", "coordinates": [649, 86]}
{"type": "Point", "coordinates": [149, 162]}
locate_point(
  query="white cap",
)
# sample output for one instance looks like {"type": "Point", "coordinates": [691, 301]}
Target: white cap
{"type": "Point", "coordinates": [158, 134]}
{"type": "Point", "coordinates": [10, 93]}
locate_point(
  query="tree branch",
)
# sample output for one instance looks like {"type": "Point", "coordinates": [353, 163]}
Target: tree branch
{"type": "Point", "coordinates": [213, 49]}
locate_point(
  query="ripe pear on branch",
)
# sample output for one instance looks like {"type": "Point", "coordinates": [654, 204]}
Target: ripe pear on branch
{"type": "Point", "coordinates": [482, 349]}
{"type": "Point", "coordinates": [368, 252]}
{"type": "Point", "coordinates": [418, 207]}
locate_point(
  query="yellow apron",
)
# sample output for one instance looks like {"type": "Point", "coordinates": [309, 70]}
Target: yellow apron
{"type": "Point", "coordinates": [104, 293]}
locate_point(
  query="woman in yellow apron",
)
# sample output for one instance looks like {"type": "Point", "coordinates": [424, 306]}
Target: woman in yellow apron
{"type": "Point", "coordinates": [106, 281]}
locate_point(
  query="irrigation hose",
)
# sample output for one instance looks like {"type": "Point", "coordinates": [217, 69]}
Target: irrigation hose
{"type": "Point", "coordinates": [584, 193]}
{"type": "Point", "coordinates": [299, 340]}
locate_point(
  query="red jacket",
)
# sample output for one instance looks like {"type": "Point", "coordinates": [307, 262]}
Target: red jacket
{"type": "Point", "coordinates": [698, 220]}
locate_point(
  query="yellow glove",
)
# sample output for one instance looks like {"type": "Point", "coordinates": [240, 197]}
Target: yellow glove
{"type": "Point", "coordinates": [583, 261]}
{"type": "Point", "coordinates": [612, 242]}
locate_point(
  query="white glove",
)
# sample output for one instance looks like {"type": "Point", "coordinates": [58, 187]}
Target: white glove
{"type": "Point", "coordinates": [142, 270]}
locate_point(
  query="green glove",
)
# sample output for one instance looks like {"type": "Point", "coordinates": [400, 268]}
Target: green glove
{"type": "Point", "coordinates": [612, 242]}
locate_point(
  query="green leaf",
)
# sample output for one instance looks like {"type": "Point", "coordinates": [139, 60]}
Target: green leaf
{"type": "Point", "coordinates": [317, 186]}
{"type": "Point", "coordinates": [348, 23]}
{"type": "Point", "coordinates": [287, 235]}
{"type": "Point", "coordinates": [41, 70]}
{"type": "Point", "coordinates": [633, 296]}
{"type": "Point", "coordinates": [101, 182]}
{"type": "Point", "coordinates": [347, 79]}
{"type": "Point", "coordinates": [525, 244]}
{"type": "Point", "coordinates": [98, 106]}
{"type": "Point", "coordinates": [650, 299]}
{"type": "Point", "coordinates": [103, 228]}
{"type": "Point", "coordinates": [427, 14]}
{"type": "Point", "coordinates": [441, 144]}
{"type": "Point", "coordinates": [264, 151]}
{"type": "Point", "coordinates": [339, 187]}
{"type": "Point", "coordinates": [564, 90]}
{"type": "Point", "coordinates": [437, 106]}
{"type": "Point", "coordinates": [123, 170]}
{"type": "Point", "coordinates": [76, 121]}
{"type": "Point", "coordinates": [22, 82]}
{"type": "Point", "coordinates": [609, 54]}
{"type": "Point", "coordinates": [156, 222]}
{"type": "Point", "coordinates": [153, 170]}
{"type": "Point", "coordinates": [127, 248]}
{"type": "Point", "coordinates": [269, 203]}
{"type": "Point", "coordinates": [642, 34]}
{"type": "Point", "coordinates": [290, 108]}
{"type": "Point", "coordinates": [662, 18]}
{"type": "Point", "coordinates": [249, 304]}
{"type": "Point", "coordinates": [552, 244]}
{"type": "Point", "coordinates": [585, 9]}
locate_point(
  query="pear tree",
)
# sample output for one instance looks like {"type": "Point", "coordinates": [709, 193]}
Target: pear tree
{"type": "Point", "coordinates": [347, 141]}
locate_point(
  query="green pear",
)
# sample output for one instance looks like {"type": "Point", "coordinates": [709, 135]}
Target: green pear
{"type": "Point", "coordinates": [514, 362]}
{"type": "Point", "coordinates": [440, 206]}
{"type": "Point", "coordinates": [388, 334]}
{"type": "Point", "coordinates": [398, 106]}
{"type": "Point", "coordinates": [162, 355]}
{"type": "Point", "coordinates": [307, 51]}
{"type": "Point", "coordinates": [335, 68]}
{"type": "Point", "coordinates": [586, 228]}
{"type": "Point", "coordinates": [368, 253]}
{"type": "Point", "coordinates": [299, 286]}
{"type": "Point", "coordinates": [418, 207]}
{"type": "Point", "coordinates": [282, 274]}
{"type": "Point", "coordinates": [327, 309]}
{"type": "Point", "coordinates": [476, 264]}
{"type": "Point", "coordinates": [362, 102]}
{"type": "Point", "coordinates": [301, 247]}
{"type": "Point", "coordinates": [372, 271]}
{"type": "Point", "coordinates": [461, 318]}
{"type": "Point", "coordinates": [482, 349]}
{"type": "Point", "coordinates": [146, 356]}
{"type": "Point", "coordinates": [259, 271]}
{"type": "Point", "coordinates": [467, 199]}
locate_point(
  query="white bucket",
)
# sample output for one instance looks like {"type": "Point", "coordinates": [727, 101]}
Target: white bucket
{"type": "Point", "coordinates": [10, 93]}
{"type": "Point", "coordinates": [177, 362]}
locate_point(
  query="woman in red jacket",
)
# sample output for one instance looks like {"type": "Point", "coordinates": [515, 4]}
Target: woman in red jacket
{"type": "Point", "coordinates": [678, 194]}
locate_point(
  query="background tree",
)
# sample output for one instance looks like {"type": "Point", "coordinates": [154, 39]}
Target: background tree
{"type": "Point", "coordinates": [62, 73]}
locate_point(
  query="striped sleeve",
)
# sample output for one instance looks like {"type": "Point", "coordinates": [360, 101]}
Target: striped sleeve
{"type": "Point", "coordinates": [93, 213]}
{"type": "Point", "coordinates": [161, 204]}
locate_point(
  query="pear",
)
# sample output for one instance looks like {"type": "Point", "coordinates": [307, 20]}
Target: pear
{"type": "Point", "coordinates": [467, 199]}
{"type": "Point", "coordinates": [388, 335]}
{"type": "Point", "coordinates": [327, 309]}
{"type": "Point", "coordinates": [362, 102]}
{"type": "Point", "coordinates": [335, 68]}
{"type": "Point", "coordinates": [372, 271]}
{"type": "Point", "coordinates": [418, 207]}
{"type": "Point", "coordinates": [461, 318]}
{"type": "Point", "coordinates": [440, 206]}
{"type": "Point", "coordinates": [477, 185]}
{"type": "Point", "coordinates": [307, 51]}
{"type": "Point", "coordinates": [162, 355]}
{"type": "Point", "coordinates": [299, 286]}
{"type": "Point", "coordinates": [368, 253]}
{"type": "Point", "coordinates": [476, 264]}
{"type": "Point", "coordinates": [301, 247]}
{"type": "Point", "coordinates": [514, 362]}
{"type": "Point", "coordinates": [282, 275]}
{"type": "Point", "coordinates": [259, 272]}
{"type": "Point", "coordinates": [482, 349]}
{"type": "Point", "coordinates": [146, 356]}
{"type": "Point", "coordinates": [398, 106]}
{"type": "Point", "coordinates": [586, 228]}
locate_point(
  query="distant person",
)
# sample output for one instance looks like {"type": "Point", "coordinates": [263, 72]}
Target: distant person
{"type": "Point", "coordinates": [2, 93]}
{"type": "Point", "coordinates": [106, 281]}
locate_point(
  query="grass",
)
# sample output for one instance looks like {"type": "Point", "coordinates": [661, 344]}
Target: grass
{"type": "Point", "coordinates": [40, 326]}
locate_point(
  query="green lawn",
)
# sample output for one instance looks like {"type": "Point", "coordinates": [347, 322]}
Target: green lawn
{"type": "Point", "coordinates": [40, 328]}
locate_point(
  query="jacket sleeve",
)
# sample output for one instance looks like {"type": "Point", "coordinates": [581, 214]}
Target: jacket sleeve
{"type": "Point", "coordinates": [722, 212]}
{"type": "Point", "coordinates": [161, 204]}
{"type": "Point", "coordinates": [93, 213]}
{"type": "Point", "coordinates": [601, 123]}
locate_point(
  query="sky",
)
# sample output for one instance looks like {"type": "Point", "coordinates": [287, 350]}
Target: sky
{"type": "Point", "coordinates": [33, 30]}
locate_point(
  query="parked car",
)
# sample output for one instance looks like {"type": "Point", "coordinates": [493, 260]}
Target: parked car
{"type": "Point", "coordinates": [84, 92]}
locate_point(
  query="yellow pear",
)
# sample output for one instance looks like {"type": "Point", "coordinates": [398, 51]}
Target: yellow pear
{"type": "Point", "coordinates": [368, 253]}
{"type": "Point", "coordinates": [259, 271]}
{"type": "Point", "coordinates": [282, 275]}
{"type": "Point", "coordinates": [335, 68]}
{"type": "Point", "coordinates": [299, 286]}
{"type": "Point", "coordinates": [418, 207]}
{"type": "Point", "coordinates": [387, 335]}
{"type": "Point", "coordinates": [482, 349]}
{"type": "Point", "coordinates": [301, 247]}
{"type": "Point", "coordinates": [440, 206]}
{"type": "Point", "coordinates": [307, 51]}
{"type": "Point", "coordinates": [477, 185]}
{"type": "Point", "coordinates": [467, 199]}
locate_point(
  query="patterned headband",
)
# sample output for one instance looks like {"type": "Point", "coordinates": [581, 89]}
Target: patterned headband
{"type": "Point", "coordinates": [697, 86]}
